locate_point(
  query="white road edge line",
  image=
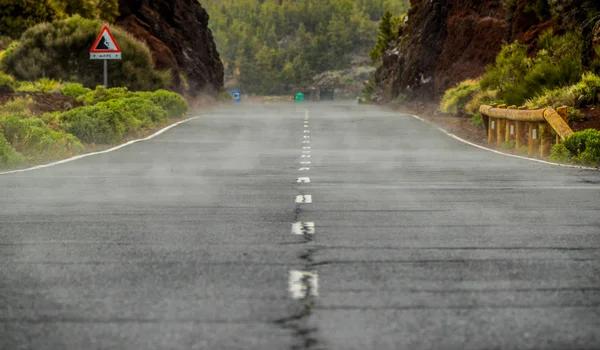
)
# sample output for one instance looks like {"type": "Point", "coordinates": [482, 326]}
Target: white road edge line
{"type": "Point", "coordinates": [498, 152]}
{"type": "Point", "coordinates": [68, 160]}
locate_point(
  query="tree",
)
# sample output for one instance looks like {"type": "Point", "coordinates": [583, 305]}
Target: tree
{"type": "Point", "coordinates": [18, 15]}
{"type": "Point", "coordinates": [388, 33]}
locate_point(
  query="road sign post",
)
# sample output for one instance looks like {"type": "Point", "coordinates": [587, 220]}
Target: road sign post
{"type": "Point", "coordinates": [105, 48]}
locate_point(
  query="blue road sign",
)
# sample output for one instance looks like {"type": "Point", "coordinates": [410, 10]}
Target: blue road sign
{"type": "Point", "coordinates": [237, 96]}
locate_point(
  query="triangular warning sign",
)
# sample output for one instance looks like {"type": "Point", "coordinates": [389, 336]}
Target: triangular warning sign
{"type": "Point", "coordinates": [105, 43]}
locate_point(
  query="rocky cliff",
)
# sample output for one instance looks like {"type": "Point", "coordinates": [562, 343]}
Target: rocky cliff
{"type": "Point", "coordinates": [447, 41]}
{"type": "Point", "coordinates": [177, 33]}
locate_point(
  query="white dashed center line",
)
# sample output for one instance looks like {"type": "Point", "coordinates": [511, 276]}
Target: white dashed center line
{"type": "Point", "coordinates": [302, 284]}
{"type": "Point", "coordinates": [303, 228]}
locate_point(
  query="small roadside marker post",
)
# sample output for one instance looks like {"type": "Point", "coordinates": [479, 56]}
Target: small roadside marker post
{"type": "Point", "coordinates": [105, 48]}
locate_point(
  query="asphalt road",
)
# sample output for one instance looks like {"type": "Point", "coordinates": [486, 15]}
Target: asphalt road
{"type": "Point", "coordinates": [194, 240]}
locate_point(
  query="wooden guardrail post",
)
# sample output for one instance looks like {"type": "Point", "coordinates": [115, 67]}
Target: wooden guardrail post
{"type": "Point", "coordinates": [501, 129]}
{"type": "Point", "coordinates": [492, 126]}
{"type": "Point", "coordinates": [520, 131]}
{"type": "Point", "coordinates": [510, 128]}
{"type": "Point", "coordinates": [534, 143]}
{"type": "Point", "coordinates": [564, 113]}
{"type": "Point", "coordinates": [546, 140]}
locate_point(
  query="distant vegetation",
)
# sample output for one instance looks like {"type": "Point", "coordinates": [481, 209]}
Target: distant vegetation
{"type": "Point", "coordinates": [272, 46]}
{"type": "Point", "coordinates": [19, 15]}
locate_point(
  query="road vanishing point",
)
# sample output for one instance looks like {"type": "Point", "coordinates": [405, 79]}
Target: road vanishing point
{"type": "Point", "coordinates": [300, 226]}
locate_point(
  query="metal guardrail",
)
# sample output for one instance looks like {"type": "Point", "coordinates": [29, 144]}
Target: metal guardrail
{"type": "Point", "coordinates": [531, 127]}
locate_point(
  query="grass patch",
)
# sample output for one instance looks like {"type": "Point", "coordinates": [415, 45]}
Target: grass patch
{"type": "Point", "coordinates": [509, 145]}
{"type": "Point", "coordinates": [42, 85]}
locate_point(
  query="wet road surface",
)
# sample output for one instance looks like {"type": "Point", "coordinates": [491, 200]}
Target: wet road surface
{"type": "Point", "coordinates": [313, 226]}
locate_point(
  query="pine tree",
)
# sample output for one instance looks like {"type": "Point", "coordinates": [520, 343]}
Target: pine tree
{"type": "Point", "coordinates": [387, 35]}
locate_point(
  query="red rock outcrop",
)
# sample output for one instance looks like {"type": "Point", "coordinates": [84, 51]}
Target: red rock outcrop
{"type": "Point", "coordinates": [448, 41]}
{"type": "Point", "coordinates": [177, 33]}
{"type": "Point", "coordinates": [443, 43]}
{"type": "Point", "coordinates": [475, 33]}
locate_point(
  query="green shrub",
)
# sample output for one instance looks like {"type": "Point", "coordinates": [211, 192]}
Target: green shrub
{"type": "Point", "coordinates": [476, 120]}
{"type": "Point", "coordinates": [584, 147]}
{"type": "Point", "coordinates": [586, 91]}
{"type": "Point", "coordinates": [509, 69]}
{"type": "Point", "coordinates": [577, 95]}
{"type": "Point", "coordinates": [101, 94]}
{"type": "Point", "coordinates": [481, 97]}
{"type": "Point", "coordinates": [455, 99]}
{"type": "Point", "coordinates": [36, 141]}
{"type": "Point", "coordinates": [136, 113]}
{"type": "Point", "coordinates": [5, 41]}
{"type": "Point", "coordinates": [17, 16]}
{"type": "Point", "coordinates": [110, 121]}
{"type": "Point", "coordinates": [518, 77]}
{"type": "Point", "coordinates": [575, 115]}
{"type": "Point", "coordinates": [7, 82]}
{"type": "Point", "coordinates": [60, 51]}
{"type": "Point", "coordinates": [559, 153]}
{"type": "Point", "coordinates": [8, 155]}
{"type": "Point", "coordinates": [174, 104]}
{"type": "Point", "coordinates": [591, 155]}
{"type": "Point", "coordinates": [553, 98]}
{"type": "Point", "coordinates": [18, 105]}
{"type": "Point", "coordinates": [74, 90]}
{"type": "Point", "coordinates": [224, 95]}
{"type": "Point", "coordinates": [94, 124]}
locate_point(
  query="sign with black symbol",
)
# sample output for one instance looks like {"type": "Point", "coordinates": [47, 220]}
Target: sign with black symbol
{"type": "Point", "coordinates": [105, 47]}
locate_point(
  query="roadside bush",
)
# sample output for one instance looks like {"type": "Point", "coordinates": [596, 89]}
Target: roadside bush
{"type": "Point", "coordinates": [583, 93]}
{"type": "Point", "coordinates": [94, 124]}
{"type": "Point", "coordinates": [136, 113]}
{"type": "Point", "coordinates": [36, 141]}
{"type": "Point", "coordinates": [476, 120]}
{"type": "Point", "coordinates": [586, 91]}
{"type": "Point", "coordinates": [8, 155]}
{"type": "Point", "coordinates": [18, 105]}
{"type": "Point", "coordinates": [560, 154]}
{"type": "Point", "coordinates": [482, 97]}
{"type": "Point", "coordinates": [518, 77]}
{"type": "Point", "coordinates": [552, 98]}
{"type": "Point", "coordinates": [584, 147]}
{"type": "Point", "coordinates": [7, 82]}
{"type": "Point", "coordinates": [110, 121]}
{"type": "Point", "coordinates": [60, 51]}
{"type": "Point", "coordinates": [509, 69]}
{"type": "Point", "coordinates": [101, 94]}
{"type": "Point", "coordinates": [174, 104]}
{"type": "Point", "coordinates": [74, 90]}
{"type": "Point", "coordinates": [17, 16]}
{"type": "Point", "coordinates": [455, 99]}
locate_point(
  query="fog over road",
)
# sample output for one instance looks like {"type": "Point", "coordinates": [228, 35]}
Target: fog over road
{"type": "Point", "coordinates": [205, 237]}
